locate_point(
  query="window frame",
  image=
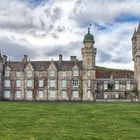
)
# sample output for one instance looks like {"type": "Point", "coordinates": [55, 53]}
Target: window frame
{"type": "Point", "coordinates": [40, 83]}
{"type": "Point", "coordinates": [27, 94]}
{"type": "Point", "coordinates": [7, 83]}
{"type": "Point", "coordinates": [18, 83]}
{"type": "Point", "coordinates": [29, 85]}
{"type": "Point", "coordinates": [75, 83]}
{"type": "Point", "coordinates": [75, 72]}
{"type": "Point", "coordinates": [75, 92]}
{"type": "Point", "coordinates": [18, 92]}
{"type": "Point", "coordinates": [52, 83]}
{"type": "Point", "coordinates": [117, 85]}
{"type": "Point", "coordinates": [8, 92]}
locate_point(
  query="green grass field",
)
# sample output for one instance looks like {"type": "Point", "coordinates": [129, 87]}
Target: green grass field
{"type": "Point", "coordinates": [69, 121]}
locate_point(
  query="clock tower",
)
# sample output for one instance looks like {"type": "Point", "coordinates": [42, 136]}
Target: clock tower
{"type": "Point", "coordinates": [89, 74]}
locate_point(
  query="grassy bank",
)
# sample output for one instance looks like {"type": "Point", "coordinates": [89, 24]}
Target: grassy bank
{"type": "Point", "coordinates": [69, 121]}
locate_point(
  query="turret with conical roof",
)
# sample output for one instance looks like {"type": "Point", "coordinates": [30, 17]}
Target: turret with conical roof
{"type": "Point", "coordinates": [134, 35]}
{"type": "Point", "coordinates": [138, 30]}
{"type": "Point", "coordinates": [1, 63]}
{"type": "Point", "coordinates": [136, 55]}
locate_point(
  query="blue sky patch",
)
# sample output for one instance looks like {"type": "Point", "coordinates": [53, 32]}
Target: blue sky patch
{"type": "Point", "coordinates": [127, 18]}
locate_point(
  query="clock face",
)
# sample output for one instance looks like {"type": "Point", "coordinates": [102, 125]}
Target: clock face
{"type": "Point", "coordinates": [88, 45]}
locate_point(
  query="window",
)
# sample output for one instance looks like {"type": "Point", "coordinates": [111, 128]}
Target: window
{"type": "Point", "coordinates": [52, 94]}
{"type": "Point", "coordinates": [116, 85]}
{"type": "Point", "coordinates": [40, 94]}
{"type": "Point", "coordinates": [7, 94]}
{"type": "Point", "coordinates": [29, 94]}
{"type": "Point", "coordinates": [41, 83]}
{"type": "Point", "coordinates": [52, 83]}
{"type": "Point", "coordinates": [105, 85]}
{"type": "Point", "coordinates": [29, 73]}
{"type": "Point", "coordinates": [128, 85]}
{"type": "Point", "coordinates": [52, 73]}
{"type": "Point", "coordinates": [75, 73]}
{"type": "Point", "coordinates": [63, 83]}
{"type": "Point", "coordinates": [89, 73]}
{"type": "Point", "coordinates": [64, 94]}
{"type": "Point", "coordinates": [64, 74]}
{"type": "Point", "coordinates": [75, 83]}
{"type": "Point", "coordinates": [7, 83]}
{"type": "Point", "coordinates": [18, 94]}
{"type": "Point", "coordinates": [17, 83]}
{"type": "Point", "coordinates": [89, 83]}
{"type": "Point", "coordinates": [89, 94]}
{"type": "Point", "coordinates": [18, 73]}
{"type": "Point", "coordinates": [75, 94]}
{"type": "Point", "coordinates": [29, 83]}
{"type": "Point", "coordinates": [7, 73]}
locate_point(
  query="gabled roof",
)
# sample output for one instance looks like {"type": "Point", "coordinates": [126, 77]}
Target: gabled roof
{"type": "Point", "coordinates": [1, 59]}
{"type": "Point", "coordinates": [134, 35]}
{"type": "Point", "coordinates": [44, 65]}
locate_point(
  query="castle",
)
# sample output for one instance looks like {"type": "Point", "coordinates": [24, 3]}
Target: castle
{"type": "Point", "coordinates": [68, 80]}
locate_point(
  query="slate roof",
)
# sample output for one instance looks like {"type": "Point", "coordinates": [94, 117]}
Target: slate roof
{"type": "Point", "coordinates": [68, 65]}
{"type": "Point", "coordinates": [107, 73]}
{"type": "Point", "coordinates": [44, 65]}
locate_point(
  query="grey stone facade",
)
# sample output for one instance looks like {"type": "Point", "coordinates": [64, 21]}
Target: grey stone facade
{"type": "Point", "coordinates": [61, 80]}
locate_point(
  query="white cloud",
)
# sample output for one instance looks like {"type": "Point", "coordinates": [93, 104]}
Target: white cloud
{"type": "Point", "coordinates": [59, 24]}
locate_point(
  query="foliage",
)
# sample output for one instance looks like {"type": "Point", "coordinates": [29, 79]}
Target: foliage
{"type": "Point", "coordinates": [110, 87]}
{"type": "Point", "coordinates": [135, 91]}
{"type": "Point", "coordinates": [69, 121]}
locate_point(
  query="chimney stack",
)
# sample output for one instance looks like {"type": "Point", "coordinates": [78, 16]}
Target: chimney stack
{"type": "Point", "coordinates": [60, 57]}
{"type": "Point", "coordinates": [4, 58]}
{"type": "Point", "coordinates": [73, 58]}
{"type": "Point", "coordinates": [24, 59]}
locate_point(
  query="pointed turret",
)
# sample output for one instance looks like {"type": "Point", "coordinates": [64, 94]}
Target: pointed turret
{"type": "Point", "coordinates": [138, 30]}
{"type": "Point", "coordinates": [134, 35]}
{"type": "Point", "coordinates": [1, 59]}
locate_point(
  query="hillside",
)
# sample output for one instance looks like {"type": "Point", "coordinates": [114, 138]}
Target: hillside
{"type": "Point", "coordinates": [102, 72]}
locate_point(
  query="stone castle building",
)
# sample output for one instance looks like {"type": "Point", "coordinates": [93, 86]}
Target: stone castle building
{"type": "Point", "coordinates": [75, 79]}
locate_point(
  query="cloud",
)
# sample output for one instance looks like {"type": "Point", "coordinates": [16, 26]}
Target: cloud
{"type": "Point", "coordinates": [15, 50]}
{"type": "Point", "coordinates": [68, 50]}
{"type": "Point", "coordinates": [44, 29]}
{"type": "Point", "coordinates": [103, 11]}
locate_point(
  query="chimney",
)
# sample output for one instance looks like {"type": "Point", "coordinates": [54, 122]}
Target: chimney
{"type": "Point", "coordinates": [24, 59]}
{"type": "Point", "coordinates": [73, 58]}
{"type": "Point", "coordinates": [4, 58]}
{"type": "Point", "coordinates": [60, 58]}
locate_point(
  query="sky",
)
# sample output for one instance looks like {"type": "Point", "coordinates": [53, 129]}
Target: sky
{"type": "Point", "coordinates": [43, 29]}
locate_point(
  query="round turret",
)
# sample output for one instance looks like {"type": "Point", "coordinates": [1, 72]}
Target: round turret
{"type": "Point", "coordinates": [88, 38]}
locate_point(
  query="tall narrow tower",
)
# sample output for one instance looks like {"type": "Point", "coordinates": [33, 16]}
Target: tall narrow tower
{"type": "Point", "coordinates": [89, 76]}
{"type": "Point", "coordinates": [136, 56]}
{"type": "Point", "coordinates": [1, 75]}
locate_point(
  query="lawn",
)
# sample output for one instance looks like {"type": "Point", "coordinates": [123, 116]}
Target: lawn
{"type": "Point", "coordinates": [69, 121]}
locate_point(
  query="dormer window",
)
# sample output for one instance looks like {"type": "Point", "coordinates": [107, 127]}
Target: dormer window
{"type": "Point", "coordinates": [7, 73]}
{"type": "Point", "coordinates": [75, 73]}
{"type": "Point", "coordinates": [29, 73]}
{"type": "Point", "coordinates": [52, 73]}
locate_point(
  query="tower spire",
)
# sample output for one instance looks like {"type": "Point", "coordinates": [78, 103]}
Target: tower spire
{"type": "Point", "coordinates": [138, 30]}
{"type": "Point", "coordinates": [88, 29]}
